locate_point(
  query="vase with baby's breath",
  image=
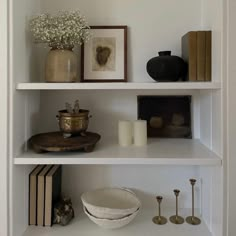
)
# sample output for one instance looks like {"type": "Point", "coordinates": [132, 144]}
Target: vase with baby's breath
{"type": "Point", "coordinates": [61, 32]}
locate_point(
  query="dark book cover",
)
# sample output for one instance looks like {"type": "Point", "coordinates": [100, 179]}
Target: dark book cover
{"type": "Point", "coordinates": [52, 193]}
{"type": "Point", "coordinates": [208, 55]}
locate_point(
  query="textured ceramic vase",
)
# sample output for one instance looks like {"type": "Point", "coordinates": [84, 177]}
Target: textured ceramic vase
{"type": "Point", "coordinates": [61, 66]}
{"type": "Point", "coordinates": [166, 68]}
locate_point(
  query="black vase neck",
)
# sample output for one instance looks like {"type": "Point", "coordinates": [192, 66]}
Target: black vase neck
{"type": "Point", "coordinates": [164, 53]}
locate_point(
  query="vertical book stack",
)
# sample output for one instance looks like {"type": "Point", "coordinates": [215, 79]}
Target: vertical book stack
{"type": "Point", "coordinates": [196, 51]}
{"type": "Point", "coordinates": [44, 192]}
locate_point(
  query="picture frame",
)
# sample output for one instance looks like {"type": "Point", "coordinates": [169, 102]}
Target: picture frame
{"type": "Point", "coordinates": [167, 116]}
{"type": "Point", "coordinates": [104, 57]}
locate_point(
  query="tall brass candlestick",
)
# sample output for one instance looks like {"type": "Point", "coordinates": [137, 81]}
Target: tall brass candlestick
{"type": "Point", "coordinates": [176, 219]}
{"type": "Point", "coordinates": [193, 220]}
{"type": "Point", "coordinates": [159, 219]}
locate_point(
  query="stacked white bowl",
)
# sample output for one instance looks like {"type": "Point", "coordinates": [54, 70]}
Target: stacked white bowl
{"type": "Point", "coordinates": [111, 208]}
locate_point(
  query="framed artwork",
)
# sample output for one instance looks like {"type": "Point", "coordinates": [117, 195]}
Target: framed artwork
{"type": "Point", "coordinates": [166, 116]}
{"type": "Point", "coordinates": [104, 57]}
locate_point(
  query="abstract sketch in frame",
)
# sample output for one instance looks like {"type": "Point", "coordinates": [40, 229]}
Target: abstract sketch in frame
{"type": "Point", "coordinates": [104, 57]}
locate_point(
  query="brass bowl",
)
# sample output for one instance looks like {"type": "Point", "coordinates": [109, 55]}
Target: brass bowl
{"type": "Point", "coordinates": [73, 123]}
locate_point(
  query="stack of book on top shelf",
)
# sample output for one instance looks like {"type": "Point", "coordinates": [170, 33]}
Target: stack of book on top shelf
{"type": "Point", "coordinates": [196, 52]}
{"type": "Point", "coordinates": [44, 192]}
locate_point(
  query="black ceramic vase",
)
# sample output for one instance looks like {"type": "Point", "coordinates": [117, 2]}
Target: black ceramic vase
{"type": "Point", "coordinates": [166, 68]}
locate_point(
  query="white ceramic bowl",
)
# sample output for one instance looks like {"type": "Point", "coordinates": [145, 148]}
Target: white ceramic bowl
{"type": "Point", "coordinates": [111, 203]}
{"type": "Point", "coordinates": [111, 224]}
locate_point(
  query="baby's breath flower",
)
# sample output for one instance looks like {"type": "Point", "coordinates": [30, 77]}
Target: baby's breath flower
{"type": "Point", "coordinates": [64, 30]}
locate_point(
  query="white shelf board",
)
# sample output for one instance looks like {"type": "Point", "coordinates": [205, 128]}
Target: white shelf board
{"type": "Point", "coordinates": [141, 225]}
{"type": "Point", "coordinates": [118, 86]}
{"type": "Point", "coordinates": [107, 151]}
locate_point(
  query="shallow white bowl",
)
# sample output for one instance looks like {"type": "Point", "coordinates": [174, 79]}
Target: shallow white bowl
{"type": "Point", "coordinates": [111, 203]}
{"type": "Point", "coordinates": [111, 224]}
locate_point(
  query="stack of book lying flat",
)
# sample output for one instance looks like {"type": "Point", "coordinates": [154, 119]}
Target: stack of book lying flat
{"type": "Point", "coordinates": [196, 51]}
{"type": "Point", "coordinates": [44, 193]}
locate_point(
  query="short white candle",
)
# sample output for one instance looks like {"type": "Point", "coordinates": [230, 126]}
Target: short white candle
{"type": "Point", "coordinates": [125, 133]}
{"type": "Point", "coordinates": [140, 133]}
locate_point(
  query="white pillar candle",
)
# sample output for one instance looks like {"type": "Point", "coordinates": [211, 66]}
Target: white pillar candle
{"type": "Point", "coordinates": [140, 133]}
{"type": "Point", "coordinates": [125, 133]}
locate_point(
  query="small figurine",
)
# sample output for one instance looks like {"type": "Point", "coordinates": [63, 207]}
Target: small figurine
{"type": "Point", "coordinates": [76, 107]}
{"type": "Point", "coordinates": [74, 110]}
{"type": "Point", "coordinates": [63, 212]}
{"type": "Point", "coordinates": [69, 108]}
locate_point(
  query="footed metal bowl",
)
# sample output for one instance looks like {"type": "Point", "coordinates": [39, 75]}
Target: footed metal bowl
{"type": "Point", "coordinates": [73, 123]}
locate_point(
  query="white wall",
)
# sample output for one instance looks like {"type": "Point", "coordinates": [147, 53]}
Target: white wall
{"type": "Point", "coordinates": [164, 21]}
{"type": "Point", "coordinates": [106, 107]}
{"type": "Point", "coordinates": [231, 121]}
{"type": "Point", "coordinates": [154, 25]}
{"type": "Point", "coordinates": [147, 181]}
{"type": "Point", "coordinates": [212, 19]}
{"type": "Point", "coordinates": [23, 68]}
{"type": "Point", "coordinates": [4, 117]}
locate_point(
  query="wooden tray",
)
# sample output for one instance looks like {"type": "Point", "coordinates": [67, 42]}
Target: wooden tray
{"type": "Point", "coordinates": [55, 142]}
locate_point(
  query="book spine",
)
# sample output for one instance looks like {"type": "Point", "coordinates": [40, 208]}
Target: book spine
{"type": "Point", "coordinates": [48, 202]}
{"type": "Point", "coordinates": [201, 55]}
{"type": "Point", "coordinates": [40, 203]}
{"type": "Point", "coordinates": [208, 55]}
{"type": "Point", "coordinates": [192, 56]}
{"type": "Point", "coordinates": [32, 200]}
{"type": "Point", "coordinates": [41, 195]}
{"type": "Point", "coordinates": [33, 191]}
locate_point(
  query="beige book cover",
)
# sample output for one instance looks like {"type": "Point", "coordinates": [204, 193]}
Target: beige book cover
{"type": "Point", "coordinates": [201, 55]}
{"type": "Point", "coordinates": [33, 194]}
{"type": "Point", "coordinates": [189, 54]}
{"type": "Point", "coordinates": [41, 194]}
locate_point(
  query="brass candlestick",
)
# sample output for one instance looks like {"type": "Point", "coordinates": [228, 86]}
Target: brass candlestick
{"type": "Point", "coordinates": [159, 219]}
{"type": "Point", "coordinates": [176, 219]}
{"type": "Point", "coordinates": [193, 220]}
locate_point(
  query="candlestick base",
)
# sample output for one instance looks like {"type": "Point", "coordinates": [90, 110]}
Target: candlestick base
{"type": "Point", "coordinates": [193, 220]}
{"type": "Point", "coordinates": [177, 220]}
{"type": "Point", "coordinates": [159, 220]}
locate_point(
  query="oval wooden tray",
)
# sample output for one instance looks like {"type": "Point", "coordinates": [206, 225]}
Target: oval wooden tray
{"type": "Point", "coordinates": [55, 142]}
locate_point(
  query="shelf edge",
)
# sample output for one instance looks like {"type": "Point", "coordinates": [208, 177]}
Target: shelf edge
{"type": "Point", "coordinates": [120, 86]}
{"type": "Point", "coordinates": [117, 161]}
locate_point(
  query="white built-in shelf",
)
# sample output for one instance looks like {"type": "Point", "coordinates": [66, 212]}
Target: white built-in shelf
{"type": "Point", "coordinates": [157, 152]}
{"type": "Point", "coordinates": [118, 86]}
{"type": "Point", "coordinates": [141, 225]}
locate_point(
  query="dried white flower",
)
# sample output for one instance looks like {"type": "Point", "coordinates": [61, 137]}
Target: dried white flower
{"type": "Point", "coordinates": [63, 30]}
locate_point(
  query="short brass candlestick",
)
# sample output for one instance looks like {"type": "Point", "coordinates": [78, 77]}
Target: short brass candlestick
{"type": "Point", "coordinates": [176, 219]}
{"type": "Point", "coordinates": [159, 219]}
{"type": "Point", "coordinates": [193, 220]}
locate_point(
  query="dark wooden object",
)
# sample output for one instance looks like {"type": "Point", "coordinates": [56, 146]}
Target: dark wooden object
{"type": "Point", "coordinates": [55, 142]}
